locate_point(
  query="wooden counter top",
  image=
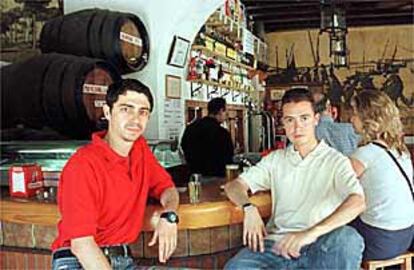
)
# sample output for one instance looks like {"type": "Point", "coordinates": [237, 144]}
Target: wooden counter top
{"type": "Point", "coordinates": [213, 210]}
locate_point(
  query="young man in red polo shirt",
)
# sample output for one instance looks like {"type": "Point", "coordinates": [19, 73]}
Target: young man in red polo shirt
{"type": "Point", "coordinates": [104, 187]}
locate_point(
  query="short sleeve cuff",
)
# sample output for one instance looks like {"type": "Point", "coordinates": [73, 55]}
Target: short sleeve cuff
{"type": "Point", "coordinates": [246, 176]}
{"type": "Point", "coordinates": [77, 231]}
{"type": "Point", "coordinates": [360, 156]}
{"type": "Point", "coordinates": [160, 188]}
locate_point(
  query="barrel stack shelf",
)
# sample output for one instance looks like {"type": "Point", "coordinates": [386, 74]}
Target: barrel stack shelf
{"type": "Point", "coordinates": [64, 92]}
{"type": "Point", "coordinates": [118, 37]}
{"type": "Point", "coordinates": [64, 88]}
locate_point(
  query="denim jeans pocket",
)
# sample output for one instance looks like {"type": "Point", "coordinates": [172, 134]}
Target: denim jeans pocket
{"type": "Point", "coordinates": [69, 263]}
{"type": "Point", "coordinates": [122, 263]}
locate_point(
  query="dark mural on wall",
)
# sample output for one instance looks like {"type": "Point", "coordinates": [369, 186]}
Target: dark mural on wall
{"type": "Point", "coordinates": [357, 79]}
{"type": "Point", "coordinates": [21, 24]}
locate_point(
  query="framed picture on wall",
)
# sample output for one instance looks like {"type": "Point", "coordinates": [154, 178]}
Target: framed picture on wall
{"type": "Point", "coordinates": [172, 86]}
{"type": "Point", "coordinates": [178, 52]}
{"type": "Point", "coordinates": [277, 93]}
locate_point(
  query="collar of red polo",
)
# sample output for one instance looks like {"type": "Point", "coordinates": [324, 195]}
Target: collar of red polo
{"type": "Point", "coordinates": [110, 155]}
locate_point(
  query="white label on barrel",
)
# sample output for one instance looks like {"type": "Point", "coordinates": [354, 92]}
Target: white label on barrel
{"type": "Point", "coordinates": [35, 185]}
{"type": "Point", "coordinates": [99, 103]}
{"type": "Point", "coordinates": [130, 39]}
{"type": "Point", "coordinates": [95, 89]}
{"type": "Point", "coordinates": [18, 184]}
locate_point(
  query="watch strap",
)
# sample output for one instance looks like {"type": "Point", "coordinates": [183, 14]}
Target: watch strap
{"type": "Point", "coordinates": [170, 216]}
{"type": "Point", "coordinates": [246, 205]}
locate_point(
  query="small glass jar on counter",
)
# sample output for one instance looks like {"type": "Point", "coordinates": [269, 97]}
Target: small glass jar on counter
{"type": "Point", "coordinates": [194, 188]}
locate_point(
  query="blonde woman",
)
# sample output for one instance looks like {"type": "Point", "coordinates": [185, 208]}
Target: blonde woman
{"type": "Point", "coordinates": [382, 163]}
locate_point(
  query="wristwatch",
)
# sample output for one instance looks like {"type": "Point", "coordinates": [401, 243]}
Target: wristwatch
{"type": "Point", "coordinates": [246, 205]}
{"type": "Point", "coordinates": [170, 216]}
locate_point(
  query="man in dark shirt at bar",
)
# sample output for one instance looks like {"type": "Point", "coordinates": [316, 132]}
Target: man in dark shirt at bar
{"type": "Point", "coordinates": [207, 146]}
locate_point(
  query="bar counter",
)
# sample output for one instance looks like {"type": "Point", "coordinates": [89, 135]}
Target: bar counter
{"type": "Point", "coordinates": [209, 232]}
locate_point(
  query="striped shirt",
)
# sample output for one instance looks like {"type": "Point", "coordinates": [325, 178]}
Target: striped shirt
{"type": "Point", "coordinates": [340, 136]}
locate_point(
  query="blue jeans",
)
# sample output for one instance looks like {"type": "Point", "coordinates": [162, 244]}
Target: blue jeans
{"type": "Point", "coordinates": [339, 249]}
{"type": "Point", "coordinates": [72, 263]}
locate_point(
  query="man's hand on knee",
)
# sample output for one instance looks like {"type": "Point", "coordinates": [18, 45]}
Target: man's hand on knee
{"type": "Point", "coordinates": [253, 230]}
{"type": "Point", "coordinates": [166, 234]}
{"type": "Point", "coordinates": [290, 245]}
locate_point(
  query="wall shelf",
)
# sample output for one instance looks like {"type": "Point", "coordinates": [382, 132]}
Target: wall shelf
{"type": "Point", "coordinates": [220, 56]}
{"type": "Point", "coordinates": [221, 85]}
{"type": "Point", "coordinates": [221, 23]}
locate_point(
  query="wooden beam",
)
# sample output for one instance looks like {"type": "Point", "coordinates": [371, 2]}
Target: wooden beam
{"type": "Point", "coordinates": [251, 9]}
{"type": "Point", "coordinates": [288, 19]}
{"type": "Point", "coordinates": [292, 13]}
{"type": "Point", "coordinates": [248, 3]}
{"type": "Point", "coordinates": [281, 27]}
{"type": "Point", "coordinates": [354, 9]}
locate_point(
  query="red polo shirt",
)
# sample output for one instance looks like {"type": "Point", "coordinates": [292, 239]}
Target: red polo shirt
{"type": "Point", "coordinates": [103, 194]}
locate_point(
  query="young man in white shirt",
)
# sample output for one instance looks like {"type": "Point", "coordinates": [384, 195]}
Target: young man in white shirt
{"type": "Point", "coordinates": [315, 192]}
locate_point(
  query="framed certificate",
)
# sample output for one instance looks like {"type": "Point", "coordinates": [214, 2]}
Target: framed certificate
{"type": "Point", "coordinates": [178, 52]}
{"type": "Point", "coordinates": [277, 93]}
{"type": "Point", "coordinates": [172, 86]}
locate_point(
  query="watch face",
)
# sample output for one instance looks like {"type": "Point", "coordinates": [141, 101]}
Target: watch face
{"type": "Point", "coordinates": [170, 217]}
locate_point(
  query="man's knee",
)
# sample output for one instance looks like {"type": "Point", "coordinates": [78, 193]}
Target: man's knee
{"type": "Point", "coordinates": [340, 249]}
{"type": "Point", "coordinates": [241, 262]}
{"type": "Point", "coordinates": [232, 264]}
{"type": "Point", "coordinates": [345, 240]}
{"type": "Point", "coordinates": [351, 238]}
{"type": "Point", "coordinates": [247, 259]}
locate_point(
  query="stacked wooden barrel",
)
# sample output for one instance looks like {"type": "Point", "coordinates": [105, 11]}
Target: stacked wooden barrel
{"type": "Point", "coordinates": [120, 38]}
{"type": "Point", "coordinates": [65, 88]}
{"type": "Point", "coordinates": [64, 92]}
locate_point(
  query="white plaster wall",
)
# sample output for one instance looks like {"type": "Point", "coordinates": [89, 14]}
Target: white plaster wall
{"type": "Point", "coordinates": [163, 20]}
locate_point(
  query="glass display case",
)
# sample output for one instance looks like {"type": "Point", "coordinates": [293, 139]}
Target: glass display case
{"type": "Point", "coordinates": [53, 155]}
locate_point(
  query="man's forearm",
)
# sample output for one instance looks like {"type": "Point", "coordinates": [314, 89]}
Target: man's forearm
{"type": "Point", "coordinates": [345, 213]}
{"type": "Point", "coordinates": [237, 192]}
{"type": "Point", "coordinates": [89, 254]}
{"type": "Point", "coordinates": [170, 199]}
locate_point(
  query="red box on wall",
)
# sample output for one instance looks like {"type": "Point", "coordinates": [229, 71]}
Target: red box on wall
{"type": "Point", "coordinates": [25, 180]}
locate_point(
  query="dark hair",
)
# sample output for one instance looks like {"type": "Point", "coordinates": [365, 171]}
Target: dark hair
{"type": "Point", "coordinates": [120, 87]}
{"type": "Point", "coordinates": [215, 105]}
{"type": "Point", "coordinates": [321, 105]}
{"type": "Point", "coordinates": [297, 95]}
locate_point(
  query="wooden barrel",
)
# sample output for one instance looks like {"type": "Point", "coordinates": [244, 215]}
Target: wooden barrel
{"type": "Point", "coordinates": [119, 38]}
{"type": "Point", "coordinates": [63, 92]}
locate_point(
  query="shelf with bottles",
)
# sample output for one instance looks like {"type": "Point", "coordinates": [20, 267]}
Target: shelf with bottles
{"type": "Point", "coordinates": [231, 31]}
{"type": "Point", "coordinates": [216, 73]}
{"type": "Point", "coordinates": [229, 20]}
{"type": "Point", "coordinates": [236, 86]}
{"type": "Point", "coordinates": [208, 89]}
{"type": "Point", "coordinates": [224, 56]}
{"type": "Point", "coordinates": [225, 27]}
{"type": "Point", "coordinates": [219, 67]}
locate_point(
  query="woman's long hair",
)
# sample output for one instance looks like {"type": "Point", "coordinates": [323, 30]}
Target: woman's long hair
{"type": "Point", "coordinates": [380, 119]}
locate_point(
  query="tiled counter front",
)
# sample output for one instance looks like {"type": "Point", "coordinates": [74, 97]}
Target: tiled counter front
{"type": "Point", "coordinates": [24, 258]}
{"type": "Point", "coordinates": [190, 242]}
{"type": "Point", "coordinates": [209, 232]}
{"type": "Point", "coordinates": [26, 245]}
